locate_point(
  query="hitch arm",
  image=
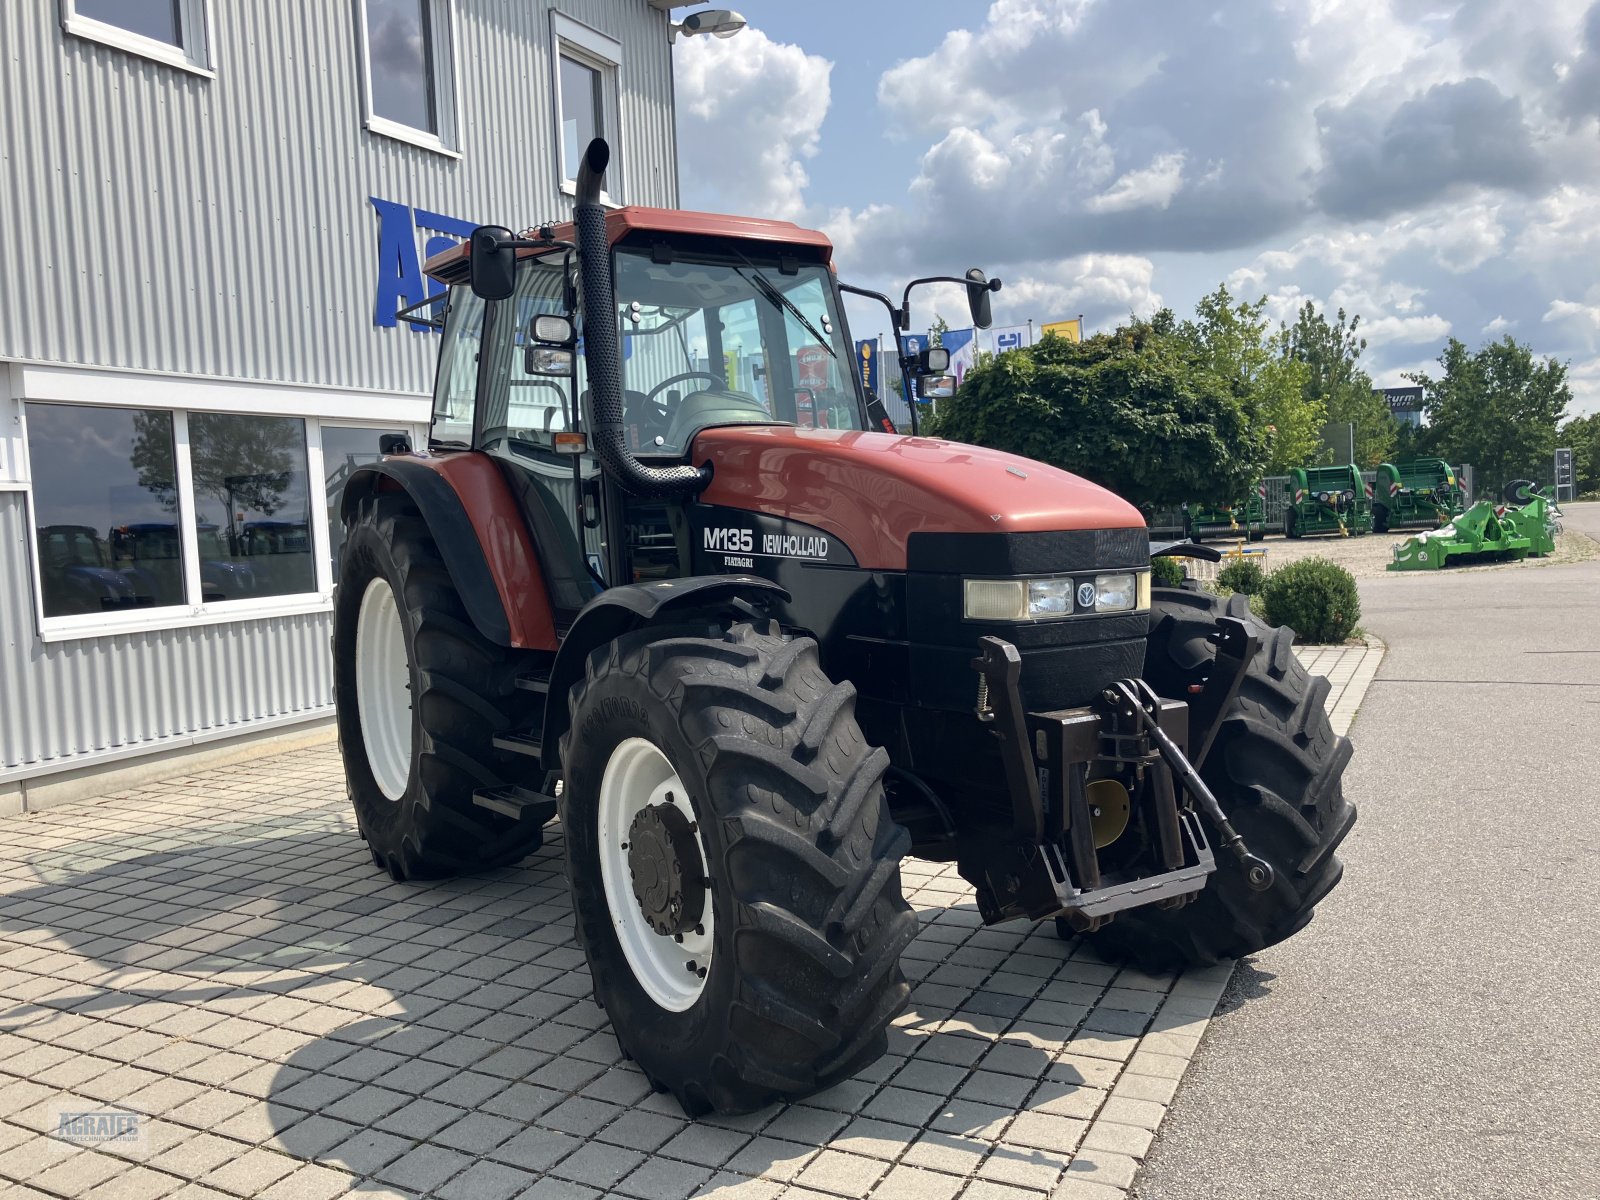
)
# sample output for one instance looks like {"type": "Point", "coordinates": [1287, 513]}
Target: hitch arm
{"type": "Point", "coordinates": [1137, 700]}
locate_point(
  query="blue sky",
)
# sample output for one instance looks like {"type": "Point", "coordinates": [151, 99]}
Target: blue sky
{"type": "Point", "coordinates": [1432, 166]}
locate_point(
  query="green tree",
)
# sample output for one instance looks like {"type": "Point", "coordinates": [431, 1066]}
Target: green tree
{"type": "Point", "coordinates": [1497, 409]}
{"type": "Point", "coordinates": [1331, 352]}
{"type": "Point", "coordinates": [1582, 435]}
{"type": "Point", "coordinates": [1138, 410]}
{"type": "Point", "coordinates": [1235, 341]}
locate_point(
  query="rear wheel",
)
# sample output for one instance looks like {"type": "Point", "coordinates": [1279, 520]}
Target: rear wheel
{"type": "Point", "coordinates": [1291, 525]}
{"type": "Point", "coordinates": [1380, 518]}
{"type": "Point", "coordinates": [1275, 766]}
{"type": "Point", "coordinates": [420, 695]}
{"type": "Point", "coordinates": [734, 868]}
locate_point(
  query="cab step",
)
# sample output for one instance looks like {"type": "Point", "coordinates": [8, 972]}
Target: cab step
{"type": "Point", "coordinates": [534, 681]}
{"type": "Point", "coordinates": [519, 743]}
{"type": "Point", "coordinates": [519, 803]}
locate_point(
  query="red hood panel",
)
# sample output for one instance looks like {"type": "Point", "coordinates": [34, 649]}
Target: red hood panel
{"type": "Point", "coordinates": [873, 490]}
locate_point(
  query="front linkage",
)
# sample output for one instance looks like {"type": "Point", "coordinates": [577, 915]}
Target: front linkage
{"type": "Point", "coordinates": [1050, 865]}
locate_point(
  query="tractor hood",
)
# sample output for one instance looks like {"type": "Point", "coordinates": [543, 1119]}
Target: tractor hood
{"type": "Point", "coordinates": [873, 490]}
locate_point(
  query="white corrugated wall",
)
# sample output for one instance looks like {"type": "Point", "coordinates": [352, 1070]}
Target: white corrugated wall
{"type": "Point", "coordinates": [159, 220]}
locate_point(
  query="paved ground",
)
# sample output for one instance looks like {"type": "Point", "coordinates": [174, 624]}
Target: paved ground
{"type": "Point", "coordinates": [1436, 1031]}
{"type": "Point", "coordinates": [217, 954]}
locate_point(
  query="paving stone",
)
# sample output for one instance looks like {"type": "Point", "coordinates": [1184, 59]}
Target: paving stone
{"type": "Point", "coordinates": [488, 1181]}
{"type": "Point", "coordinates": [136, 1183]}
{"type": "Point", "coordinates": [727, 1186]}
{"type": "Point", "coordinates": [251, 1172]}
{"type": "Point", "coordinates": [1046, 1131]}
{"type": "Point", "coordinates": [664, 1179]}
{"type": "Point", "coordinates": [1122, 1110]}
{"type": "Point", "coordinates": [477, 1133]}
{"type": "Point", "coordinates": [1145, 1087]}
{"type": "Point", "coordinates": [1025, 1167]}
{"type": "Point", "coordinates": [840, 1173]}
{"type": "Point", "coordinates": [535, 1149]}
{"type": "Point", "coordinates": [914, 1183]}
{"type": "Point", "coordinates": [801, 1123]}
{"type": "Point", "coordinates": [1102, 1167]}
{"type": "Point", "coordinates": [420, 1119]}
{"type": "Point", "coordinates": [772, 1158]}
{"type": "Point", "coordinates": [1120, 1139]}
{"type": "Point", "coordinates": [706, 1145]}
{"type": "Point", "coordinates": [369, 1151]}
{"type": "Point", "coordinates": [875, 1139]}
{"type": "Point", "coordinates": [77, 1174]}
{"type": "Point", "coordinates": [311, 1182]}
{"type": "Point", "coordinates": [987, 1189]}
{"type": "Point", "coordinates": [641, 1130]}
{"type": "Point", "coordinates": [598, 1164]}
{"type": "Point", "coordinates": [1084, 1189]}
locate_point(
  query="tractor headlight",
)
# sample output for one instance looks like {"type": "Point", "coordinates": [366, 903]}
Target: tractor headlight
{"type": "Point", "coordinates": [1050, 597]}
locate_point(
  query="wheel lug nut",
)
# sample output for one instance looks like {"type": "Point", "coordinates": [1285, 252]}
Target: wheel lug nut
{"type": "Point", "coordinates": [694, 968]}
{"type": "Point", "coordinates": [678, 937]}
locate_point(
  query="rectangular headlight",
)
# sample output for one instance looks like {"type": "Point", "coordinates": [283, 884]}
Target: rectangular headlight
{"type": "Point", "coordinates": [1115, 593]}
{"type": "Point", "coordinates": [995, 600]}
{"type": "Point", "coordinates": [1049, 598]}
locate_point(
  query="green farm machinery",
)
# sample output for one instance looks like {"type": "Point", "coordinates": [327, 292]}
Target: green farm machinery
{"type": "Point", "coordinates": [1421, 492]}
{"type": "Point", "coordinates": [1525, 526]}
{"type": "Point", "coordinates": [1327, 500]}
{"type": "Point", "coordinates": [1246, 518]}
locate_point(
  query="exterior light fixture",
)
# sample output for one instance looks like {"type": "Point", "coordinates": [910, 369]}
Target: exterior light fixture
{"type": "Point", "coordinates": [718, 22]}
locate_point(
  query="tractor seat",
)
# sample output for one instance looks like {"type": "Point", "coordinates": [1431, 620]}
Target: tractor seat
{"type": "Point", "coordinates": [702, 410]}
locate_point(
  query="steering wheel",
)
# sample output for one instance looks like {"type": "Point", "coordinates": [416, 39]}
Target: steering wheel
{"type": "Point", "coordinates": [722, 384]}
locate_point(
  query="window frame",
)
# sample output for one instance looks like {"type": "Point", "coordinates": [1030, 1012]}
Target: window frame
{"type": "Point", "coordinates": [194, 28]}
{"type": "Point", "coordinates": [440, 15]}
{"type": "Point", "coordinates": [603, 55]}
{"type": "Point", "coordinates": [84, 626]}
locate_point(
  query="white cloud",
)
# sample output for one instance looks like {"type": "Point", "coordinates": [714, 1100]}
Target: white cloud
{"type": "Point", "coordinates": [1570, 310]}
{"type": "Point", "coordinates": [750, 110]}
{"type": "Point", "coordinates": [1408, 330]}
{"type": "Point", "coordinates": [1498, 326]}
{"type": "Point", "coordinates": [1152, 187]}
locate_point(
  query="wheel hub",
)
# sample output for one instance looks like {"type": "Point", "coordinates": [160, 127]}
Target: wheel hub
{"type": "Point", "coordinates": [664, 861]}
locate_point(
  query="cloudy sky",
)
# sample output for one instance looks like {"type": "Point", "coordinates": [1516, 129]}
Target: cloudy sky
{"type": "Point", "coordinates": [1432, 166]}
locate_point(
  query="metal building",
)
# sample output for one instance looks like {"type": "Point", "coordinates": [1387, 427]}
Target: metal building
{"type": "Point", "coordinates": [212, 212]}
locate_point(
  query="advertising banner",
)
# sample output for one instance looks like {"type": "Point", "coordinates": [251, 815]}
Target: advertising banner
{"type": "Point", "coordinates": [1010, 337]}
{"type": "Point", "coordinates": [1071, 330]}
{"type": "Point", "coordinates": [867, 362]}
{"type": "Point", "coordinates": [963, 347]}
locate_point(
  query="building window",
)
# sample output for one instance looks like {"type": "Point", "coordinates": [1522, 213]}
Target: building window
{"type": "Point", "coordinates": [105, 509]}
{"type": "Point", "coordinates": [585, 69]}
{"type": "Point", "coordinates": [344, 448]}
{"type": "Point", "coordinates": [169, 31]}
{"type": "Point", "coordinates": [252, 506]}
{"type": "Point", "coordinates": [409, 61]}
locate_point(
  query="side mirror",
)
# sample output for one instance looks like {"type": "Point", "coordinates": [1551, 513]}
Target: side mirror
{"type": "Point", "coordinates": [934, 360]}
{"type": "Point", "coordinates": [393, 443]}
{"type": "Point", "coordinates": [492, 262]}
{"type": "Point", "coordinates": [979, 286]}
{"type": "Point", "coordinates": [936, 387]}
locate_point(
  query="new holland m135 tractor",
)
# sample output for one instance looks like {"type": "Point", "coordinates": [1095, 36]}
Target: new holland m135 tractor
{"type": "Point", "coordinates": [674, 582]}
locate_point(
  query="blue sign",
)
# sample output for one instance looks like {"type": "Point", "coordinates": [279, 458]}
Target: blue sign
{"type": "Point", "coordinates": [400, 278]}
{"type": "Point", "coordinates": [867, 361]}
{"type": "Point", "coordinates": [1010, 339]}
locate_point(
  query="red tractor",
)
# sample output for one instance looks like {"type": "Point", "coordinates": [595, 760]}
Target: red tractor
{"type": "Point", "coordinates": [672, 580]}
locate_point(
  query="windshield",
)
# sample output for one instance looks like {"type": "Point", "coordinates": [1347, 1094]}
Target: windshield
{"type": "Point", "coordinates": [730, 341]}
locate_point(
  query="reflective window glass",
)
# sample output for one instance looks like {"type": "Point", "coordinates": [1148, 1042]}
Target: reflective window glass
{"type": "Point", "coordinates": [400, 61]}
{"type": "Point", "coordinates": [343, 450]}
{"type": "Point", "coordinates": [105, 504]}
{"type": "Point", "coordinates": [581, 121]}
{"type": "Point", "coordinates": [252, 505]}
{"type": "Point", "coordinates": [156, 19]}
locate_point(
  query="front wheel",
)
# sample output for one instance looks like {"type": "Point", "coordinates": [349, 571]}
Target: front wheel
{"type": "Point", "coordinates": [1276, 767]}
{"type": "Point", "coordinates": [734, 869]}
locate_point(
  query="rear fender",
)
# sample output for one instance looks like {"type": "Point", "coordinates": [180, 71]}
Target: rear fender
{"type": "Point", "coordinates": [621, 610]}
{"type": "Point", "coordinates": [482, 534]}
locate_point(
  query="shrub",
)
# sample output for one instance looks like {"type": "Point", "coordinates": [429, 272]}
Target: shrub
{"type": "Point", "coordinates": [1242, 576]}
{"type": "Point", "coordinates": [1166, 572]}
{"type": "Point", "coordinates": [1314, 597]}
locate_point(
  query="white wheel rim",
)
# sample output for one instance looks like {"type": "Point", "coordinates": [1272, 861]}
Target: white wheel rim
{"type": "Point", "coordinates": [383, 689]}
{"type": "Point", "coordinates": [639, 775]}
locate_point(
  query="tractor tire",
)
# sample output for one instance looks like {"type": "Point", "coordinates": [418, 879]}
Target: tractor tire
{"type": "Point", "coordinates": [435, 693]}
{"type": "Point", "coordinates": [1380, 518]}
{"type": "Point", "coordinates": [745, 938]}
{"type": "Point", "coordinates": [1257, 535]}
{"type": "Point", "coordinates": [1291, 526]}
{"type": "Point", "coordinates": [1275, 767]}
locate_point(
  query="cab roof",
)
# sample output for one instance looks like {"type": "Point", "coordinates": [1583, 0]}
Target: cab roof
{"type": "Point", "coordinates": [450, 266]}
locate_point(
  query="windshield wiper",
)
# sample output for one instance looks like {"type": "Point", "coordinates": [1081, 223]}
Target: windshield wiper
{"type": "Point", "coordinates": [767, 289]}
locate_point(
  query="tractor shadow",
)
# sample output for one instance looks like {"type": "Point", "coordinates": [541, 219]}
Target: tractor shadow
{"type": "Point", "coordinates": [458, 1015]}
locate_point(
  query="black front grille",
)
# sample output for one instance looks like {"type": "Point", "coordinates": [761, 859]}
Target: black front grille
{"type": "Point", "coordinates": [1001, 554]}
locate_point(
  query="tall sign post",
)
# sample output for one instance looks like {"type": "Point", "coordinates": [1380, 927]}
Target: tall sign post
{"type": "Point", "coordinates": [1566, 489]}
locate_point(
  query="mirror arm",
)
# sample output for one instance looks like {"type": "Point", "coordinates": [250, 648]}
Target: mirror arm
{"type": "Point", "coordinates": [898, 322]}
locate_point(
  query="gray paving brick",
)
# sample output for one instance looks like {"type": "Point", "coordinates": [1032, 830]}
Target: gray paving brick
{"type": "Point", "coordinates": [77, 1174]}
{"type": "Point", "coordinates": [252, 1172]}
{"type": "Point", "coordinates": [311, 1182]}
{"type": "Point", "coordinates": [420, 1119]}
{"type": "Point", "coordinates": [915, 1183]}
{"type": "Point", "coordinates": [1102, 1167]}
{"type": "Point", "coordinates": [903, 1105]}
{"type": "Point", "coordinates": [1045, 1131]}
{"type": "Point", "coordinates": [135, 1183]}
{"type": "Point", "coordinates": [840, 1173]}
{"type": "Point", "coordinates": [535, 1149]}
{"type": "Point", "coordinates": [772, 1158]}
{"type": "Point", "coordinates": [801, 1123]}
{"type": "Point", "coordinates": [580, 1116]}
{"type": "Point", "coordinates": [559, 1189]}
{"type": "Point", "coordinates": [1022, 1166]}
{"type": "Point", "coordinates": [425, 1167]}
{"type": "Point", "coordinates": [728, 1186]}
{"type": "Point", "coordinates": [664, 1179]}
{"type": "Point", "coordinates": [369, 1151]}
{"type": "Point", "coordinates": [1120, 1139]}
{"type": "Point", "coordinates": [598, 1164]}
{"type": "Point", "coordinates": [488, 1181]}
{"type": "Point", "coordinates": [521, 1101]}
{"type": "Point", "coordinates": [991, 1087]}
{"type": "Point", "coordinates": [478, 1133]}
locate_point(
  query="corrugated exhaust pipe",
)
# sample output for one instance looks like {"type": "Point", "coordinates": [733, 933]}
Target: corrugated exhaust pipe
{"type": "Point", "coordinates": [602, 345]}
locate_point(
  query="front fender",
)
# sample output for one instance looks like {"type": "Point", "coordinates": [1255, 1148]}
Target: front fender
{"type": "Point", "coordinates": [621, 610]}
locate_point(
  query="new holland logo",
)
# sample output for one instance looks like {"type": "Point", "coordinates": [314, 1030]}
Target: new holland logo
{"type": "Point", "coordinates": [734, 540]}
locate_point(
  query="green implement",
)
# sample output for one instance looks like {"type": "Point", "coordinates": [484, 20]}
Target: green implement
{"type": "Point", "coordinates": [1327, 500]}
{"type": "Point", "coordinates": [1536, 521]}
{"type": "Point", "coordinates": [1241, 519]}
{"type": "Point", "coordinates": [1477, 535]}
{"type": "Point", "coordinates": [1422, 492]}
